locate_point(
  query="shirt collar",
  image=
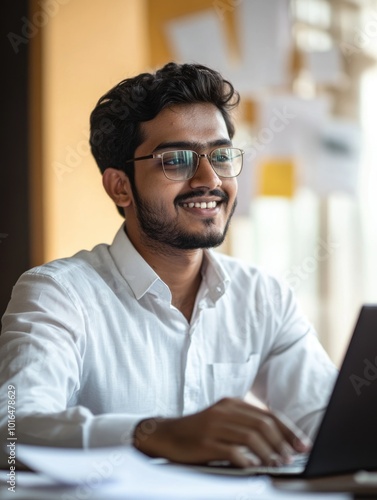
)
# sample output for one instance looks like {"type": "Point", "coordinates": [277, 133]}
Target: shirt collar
{"type": "Point", "coordinates": [141, 277]}
{"type": "Point", "coordinates": [131, 265]}
{"type": "Point", "coordinates": [215, 278]}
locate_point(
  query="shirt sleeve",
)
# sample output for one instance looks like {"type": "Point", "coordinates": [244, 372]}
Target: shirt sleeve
{"type": "Point", "coordinates": [296, 376]}
{"type": "Point", "coordinates": [42, 347]}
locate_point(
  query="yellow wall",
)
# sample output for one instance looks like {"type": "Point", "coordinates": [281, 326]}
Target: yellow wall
{"type": "Point", "coordinates": [88, 46]}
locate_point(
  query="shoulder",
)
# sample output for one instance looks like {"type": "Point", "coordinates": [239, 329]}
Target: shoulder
{"type": "Point", "coordinates": [242, 274]}
{"type": "Point", "coordinates": [72, 276]}
{"type": "Point", "coordinates": [82, 262]}
{"type": "Point", "coordinates": [255, 288]}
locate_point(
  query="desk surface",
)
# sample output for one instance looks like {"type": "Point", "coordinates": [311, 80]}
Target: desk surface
{"type": "Point", "coordinates": [360, 485]}
{"type": "Point", "coordinates": [33, 486]}
{"type": "Point", "coordinates": [124, 473]}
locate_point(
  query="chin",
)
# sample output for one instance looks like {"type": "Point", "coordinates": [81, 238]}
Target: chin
{"type": "Point", "coordinates": [196, 241]}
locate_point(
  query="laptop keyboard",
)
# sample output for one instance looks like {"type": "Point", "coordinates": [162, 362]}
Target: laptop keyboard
{"type": "Point", "coordinates": [295, 467]}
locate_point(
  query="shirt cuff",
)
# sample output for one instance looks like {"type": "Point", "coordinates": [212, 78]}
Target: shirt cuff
{"type": "Point", "coordinates": [111, 430]}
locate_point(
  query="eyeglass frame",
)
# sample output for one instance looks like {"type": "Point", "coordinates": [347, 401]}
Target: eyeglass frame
{"type": "Point", "coordinates": [198, 155]}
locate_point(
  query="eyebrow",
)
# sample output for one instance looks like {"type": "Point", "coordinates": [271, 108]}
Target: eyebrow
{"type": "Point", "coordinates": [193, 145]}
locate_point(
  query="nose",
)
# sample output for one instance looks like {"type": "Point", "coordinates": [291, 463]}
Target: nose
{"type": "Point", "coordinates": [205, 176]}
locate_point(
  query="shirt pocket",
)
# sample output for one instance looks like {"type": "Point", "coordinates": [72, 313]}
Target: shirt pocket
{"type": "Point", "coordinates": [233, 379]}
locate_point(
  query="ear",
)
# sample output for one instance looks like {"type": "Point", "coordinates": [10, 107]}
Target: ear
{"type": "Point", "coordinates": [117, 186]}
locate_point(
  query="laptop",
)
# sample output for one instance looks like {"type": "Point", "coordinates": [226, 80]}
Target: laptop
{"type": "Point", "coordinates": [346, 440]}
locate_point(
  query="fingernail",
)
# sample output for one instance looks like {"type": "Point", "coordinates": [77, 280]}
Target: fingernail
{"type": "Point", "coordinates": [286, 451]}
{"type": "Point", "coordinates": [275, 460]}
{"type": "Point", "coordinates": [254, 461]}
{"type": "Point", "coordinates": [302, 444]}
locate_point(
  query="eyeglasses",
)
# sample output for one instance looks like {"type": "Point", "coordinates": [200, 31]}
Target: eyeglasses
{"type": "Point", "coordinates": [182, 165]}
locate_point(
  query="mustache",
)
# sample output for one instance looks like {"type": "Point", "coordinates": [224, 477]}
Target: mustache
{"type": "Point", "coordinates": [201, 192]}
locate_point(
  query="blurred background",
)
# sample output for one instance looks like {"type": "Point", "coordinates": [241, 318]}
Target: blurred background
{"type": "Point", "coordinates": [307, 74]}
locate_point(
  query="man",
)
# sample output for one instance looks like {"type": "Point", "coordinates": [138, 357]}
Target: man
{"type": "Point", "coordinates": [155, 340]}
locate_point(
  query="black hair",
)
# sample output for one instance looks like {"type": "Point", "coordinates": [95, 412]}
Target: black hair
{"type": "Point", "coordinates": [115, 121]}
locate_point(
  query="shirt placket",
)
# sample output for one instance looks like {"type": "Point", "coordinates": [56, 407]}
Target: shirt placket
{"type": "Point", "coordinates": [192, 389]}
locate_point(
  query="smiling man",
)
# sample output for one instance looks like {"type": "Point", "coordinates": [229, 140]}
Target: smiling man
{"type": "Point", "coordinates": [177, 203]}
{"type": "Point", "coordinates": [155, 340]}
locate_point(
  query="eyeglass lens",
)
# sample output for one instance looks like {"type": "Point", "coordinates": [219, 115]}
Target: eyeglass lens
{"type": "Point", "coordinates": [181, 165]}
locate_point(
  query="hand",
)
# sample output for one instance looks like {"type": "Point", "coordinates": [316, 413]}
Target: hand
{"type": "Point", "coordinates": [219, 432]}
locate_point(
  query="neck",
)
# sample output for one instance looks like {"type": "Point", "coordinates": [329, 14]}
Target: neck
{"type": "Point", "coordinates": [183, 277]}
{"type": "Point", "coordinates": [179, 269]}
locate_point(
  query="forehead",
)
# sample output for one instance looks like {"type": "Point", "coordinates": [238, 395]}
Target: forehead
{"type": "Point", "coordinates": [197, 123]}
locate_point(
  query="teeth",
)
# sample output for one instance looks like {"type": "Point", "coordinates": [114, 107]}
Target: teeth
{"type": "Point", "coordinates": [202, 204]}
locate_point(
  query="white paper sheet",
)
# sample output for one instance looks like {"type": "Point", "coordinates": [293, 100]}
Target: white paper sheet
{"type": "Point", "coordinates": [199, 38]}
{"type": "Point", "coordinates": [325, 66]}
{"type": "Point", "coordinates": [264, 37]}
{"type": "Point", "coordinates": [288, 128]}
{"type": "Point", "coordinates": [264, 30]}
{"type": "Point", "coordinates": [288, 124]}
{"type": "Point", "coordinates": [246, 179]}
{"type": "Point", "coordinates": [327, 150]}
{"type": "Point", "coordinates": [335, 166]}
{"type": "Point", "coordinates": [123, 473]}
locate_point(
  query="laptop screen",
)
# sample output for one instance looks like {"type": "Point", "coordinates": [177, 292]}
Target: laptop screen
{"type": "Point", "coordinates": [347, 437]}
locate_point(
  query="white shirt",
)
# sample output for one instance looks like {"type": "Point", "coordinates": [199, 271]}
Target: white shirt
{"type": "Point", "coordinates": [93, 345]}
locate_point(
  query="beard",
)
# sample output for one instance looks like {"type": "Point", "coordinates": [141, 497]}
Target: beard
{"type": "Point", "coordinates": [158, 230]}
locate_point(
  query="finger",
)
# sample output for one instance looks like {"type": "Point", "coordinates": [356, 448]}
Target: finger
{"type": "Point", "coordinates": [299, 441]}
{"type": "Point", "coordinates": [250, 418]}
{"type": "Point", "coordinates": [235, 455]}
{"type": "Point", "coordinates": [283, 436]}
{"type": "Point", "coordinates": [293, 437]}
{"type": "Point", "coordinates": [254, 442]}
{"type": "Point", "coordinates": [270, 431]}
